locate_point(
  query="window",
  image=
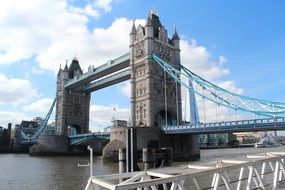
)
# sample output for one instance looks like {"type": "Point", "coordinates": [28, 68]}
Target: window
{"type": "Point", "coordinates": [141, 112]}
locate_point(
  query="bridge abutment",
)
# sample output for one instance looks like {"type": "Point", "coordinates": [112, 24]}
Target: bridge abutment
{"type": "Point", "coordinates": [185, 146]}
{"type": "Point", "coordinates": [50, 145]}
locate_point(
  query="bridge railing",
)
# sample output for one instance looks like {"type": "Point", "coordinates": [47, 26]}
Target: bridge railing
{"type": "Point", "coordinates": [263, 171]}
{"type": "Point", "coordinates": [90, 134]}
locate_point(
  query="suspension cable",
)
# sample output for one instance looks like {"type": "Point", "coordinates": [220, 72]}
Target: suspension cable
{"type": "Point", "coordinates": [219, 114]}
{"type": "Point", "coordinates": [165, 98]}
{"type": "Point", "coordinates": [205, 117]}
{"type": "Point", "coordinates": [265, 107]}
{"type": "Point", "coordinates": [177, 106]}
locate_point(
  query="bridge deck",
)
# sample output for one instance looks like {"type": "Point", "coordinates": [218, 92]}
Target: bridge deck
{"type": "Point", "coordinates": [268, 124]}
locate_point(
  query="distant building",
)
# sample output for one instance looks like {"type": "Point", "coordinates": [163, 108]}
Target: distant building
{"type": "Point", "coordinates": [30, 128]}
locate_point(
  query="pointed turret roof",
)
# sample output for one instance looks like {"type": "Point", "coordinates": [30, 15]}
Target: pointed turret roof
{"type": "Point", "coordinates": [148, 21]}
{"type": "Point", "coordinates": [65, 67]}
{"type": "Point", "coordinates": [133, 30]}
{"type": "Point", "coordinates": [175, 35]}
{"type": "Point", "coordinates": [73, 67]}
{"type": "Point", "coordinates": [59, 70]}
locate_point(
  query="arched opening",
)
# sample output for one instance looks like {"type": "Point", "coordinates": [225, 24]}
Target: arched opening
{"type": "Point", "coordinates": [73, 130]}
{"type": "Point", "coordinates": [161, 119]}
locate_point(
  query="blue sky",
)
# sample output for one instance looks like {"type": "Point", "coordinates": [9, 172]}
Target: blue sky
{"type": "Point", "coordinates": [236, 44]}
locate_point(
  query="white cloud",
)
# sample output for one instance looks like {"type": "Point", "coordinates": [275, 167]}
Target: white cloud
{"type": "Point", "coordinates": [104, 4]}
{"type": "Point", "coordinates": [42, 105]}
{"type": "Point", "coordinates": [198, 59]}
{"type": "Point", "coordinates": [88, 10]}
{"type": "Point", "coordinates": [15, 90]}
{"type": "Point", "coordinates": [12, 117]}
{"type": "Point", "coordinates": [103, 115]}
{"type": "Point", "coordinates": [230, 86]}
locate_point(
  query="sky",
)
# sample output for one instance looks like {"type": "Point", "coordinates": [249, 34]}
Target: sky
{"type": "Point", "coordinates": [238, 45]}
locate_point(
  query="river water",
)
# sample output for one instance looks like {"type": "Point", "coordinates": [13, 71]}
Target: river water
{"type": "Point", "coordinates": [20, 171]}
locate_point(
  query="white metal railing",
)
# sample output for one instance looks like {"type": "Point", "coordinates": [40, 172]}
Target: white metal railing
{"type": "Point", "coordinates": [263, 171]}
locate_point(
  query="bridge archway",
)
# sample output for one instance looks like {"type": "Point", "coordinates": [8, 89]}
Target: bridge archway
{"type": "Point", "coordinates": [73, 130]}
{"type": "Point", "coordinates": [161, 118]}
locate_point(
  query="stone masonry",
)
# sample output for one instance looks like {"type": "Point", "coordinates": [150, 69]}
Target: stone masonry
{"type": "Point", "coordinates": [151, 87]}
{"type": "Point", "coordinates": [72, 106]}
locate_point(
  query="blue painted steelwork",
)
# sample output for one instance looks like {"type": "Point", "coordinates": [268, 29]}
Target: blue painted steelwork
{"type": "Point", "coordinates": [82, 138]}
{"type": "Point", "coordinates": [101, 71]}
{"type": "Point", "coordinates": [221, 96]}
{"type": "Point", "coordinates": [25, 138]}
{"type": "Point", "coordinates": [268, 124]}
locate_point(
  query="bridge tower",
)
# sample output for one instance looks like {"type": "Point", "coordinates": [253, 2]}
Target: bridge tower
{"type": "Point", "coordinates": [155, 96]}
{"type": "Point", "coordinates": [72, 106]}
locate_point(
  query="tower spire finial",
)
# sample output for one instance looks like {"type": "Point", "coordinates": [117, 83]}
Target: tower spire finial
{"type": "Point", "coordinates": [153, 11]}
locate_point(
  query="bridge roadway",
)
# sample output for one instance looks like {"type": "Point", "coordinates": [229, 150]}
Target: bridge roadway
{"type": "Point", "coordinates": [268, 124]}
{"type": "Point", "coordinates": [108, 68]}
{"type": "Point", "coordinates": [81, 138]}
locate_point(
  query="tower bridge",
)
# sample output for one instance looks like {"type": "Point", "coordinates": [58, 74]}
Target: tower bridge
{"type": "Point", "coordinates": [156, 74]}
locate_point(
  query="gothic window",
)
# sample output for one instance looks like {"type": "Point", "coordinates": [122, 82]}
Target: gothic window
{"type": "Point", "coordinates": [141, 112]}
{"type": "Point", "coordinates": [144, 113]}
{"type": "Point", "coordinates": [143, 90]}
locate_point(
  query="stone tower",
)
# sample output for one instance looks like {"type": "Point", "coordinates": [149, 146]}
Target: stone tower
{"type": "Point", "coordinates": [155, 96]}
{"type": "Point", "coordinates": [72, 106]}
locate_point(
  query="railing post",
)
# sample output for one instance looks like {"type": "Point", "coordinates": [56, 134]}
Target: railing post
{"type": "Point", "coordinates": [91, 160]}
{"type": "Point", "coordinates": [122, 160]}
{"type": "Point", "coordinates": [148, 158]}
